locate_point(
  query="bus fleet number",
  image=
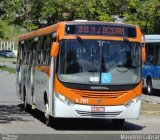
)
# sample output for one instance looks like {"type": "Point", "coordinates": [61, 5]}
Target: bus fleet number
{"type": "Point", "coordinates": [82, 101]}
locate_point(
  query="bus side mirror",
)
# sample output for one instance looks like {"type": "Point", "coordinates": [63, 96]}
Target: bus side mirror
{"type": "Point", "coordinates": [54, 49]}
{"type": "Point", "coordinates": [143, 54]}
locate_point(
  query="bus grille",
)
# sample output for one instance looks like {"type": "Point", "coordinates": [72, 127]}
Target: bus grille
{"type": "Point", "coordinates": [98, 114]}
{"type": "Point", "coordinates": [101, 94]}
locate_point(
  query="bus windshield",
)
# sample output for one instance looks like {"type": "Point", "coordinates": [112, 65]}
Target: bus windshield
{"type": "Point", "coordinates": [100, 62]}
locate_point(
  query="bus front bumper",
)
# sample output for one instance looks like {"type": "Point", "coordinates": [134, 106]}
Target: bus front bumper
{"type": "Point", "coordinates": [62, 110]}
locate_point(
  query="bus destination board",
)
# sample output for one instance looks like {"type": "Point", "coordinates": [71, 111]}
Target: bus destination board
{"type": "Point", "coordinates": [105, 30]}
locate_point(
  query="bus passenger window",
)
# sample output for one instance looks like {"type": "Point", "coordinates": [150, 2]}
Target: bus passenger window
{"type": "Point", "coordinates": [149, 59]}
{"type": "Point", "coordinates": [39, 58]}
{"type": "Point", "coordinates": [156, 55]}
{"type": "Point", "coordinates": [158, 62]}
{"type": "Point", "coordinates": [47, 48]}
{"type": "Point", "coordinates": [150, 54]}
{"type": "Point", "coordinates": [41, 43]}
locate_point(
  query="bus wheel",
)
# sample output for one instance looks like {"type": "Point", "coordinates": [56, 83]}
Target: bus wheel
{"type": "Point", "coordinates": [48, 118]}
{"type": "Point", "coordinates": [149, 86]}
{"type": "Point", "coordinates": [118, 122]}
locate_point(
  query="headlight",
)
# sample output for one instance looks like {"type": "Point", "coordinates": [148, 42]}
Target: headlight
{"type": "Point", "coordinates": [133, 101]}
{"type": "Point", "coordinates": [64, 99]}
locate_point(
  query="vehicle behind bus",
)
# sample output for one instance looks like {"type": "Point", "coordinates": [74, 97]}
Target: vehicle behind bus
{"type": "Point", "coordinates": [151, 68]}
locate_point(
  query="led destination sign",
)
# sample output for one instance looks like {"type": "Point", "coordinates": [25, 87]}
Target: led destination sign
{"type": "Point", "coordinates": [106, 30]}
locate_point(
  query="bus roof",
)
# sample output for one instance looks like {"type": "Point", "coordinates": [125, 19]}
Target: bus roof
{"type": "Point", "coordinates": [152, 38]}
{"type": "Point", "coordinates": [51, 28]}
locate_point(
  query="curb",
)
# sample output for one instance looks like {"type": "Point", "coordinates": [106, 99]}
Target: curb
{"type": "Point", "coordinates": [151, 102]}
{"type": "Point", "coordinates": [150, 112]}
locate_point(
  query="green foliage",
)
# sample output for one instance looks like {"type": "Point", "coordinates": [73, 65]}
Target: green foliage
{"type": "Point", "coordinates": [10, 70]}
{"type": "Point", "coordinates": [146, 14]}
{"type": "Point", "coordinates": [8, 13]}
{"type": "Point", "coordinates": [4, 29]}
{"type": "Point", "coordinates": [34, 14]}
{"type": "Point", "coordinates": [8, 31]}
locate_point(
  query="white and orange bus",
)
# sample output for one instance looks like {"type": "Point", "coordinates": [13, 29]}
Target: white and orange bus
{"type": "Point", "coordinates": [82, 69]}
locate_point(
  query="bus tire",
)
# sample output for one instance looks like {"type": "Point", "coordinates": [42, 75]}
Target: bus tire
{"type": "Point", "coordinates": [149, 86]}
{"type": "Point", "coordinates": [49, 121]}
{"type": "Point", "coordinates": [118, 122]}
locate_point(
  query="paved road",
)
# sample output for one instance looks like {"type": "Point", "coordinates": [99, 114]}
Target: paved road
{"type": "Point", "coordinates": [15, 121]}
{"type": "Point", "coordinates": [154, 98]}
{"type": "Point", "coordinates": [7, 89]}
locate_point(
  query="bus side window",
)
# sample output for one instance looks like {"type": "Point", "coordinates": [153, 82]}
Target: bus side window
{"type": "Point", "coordinates": [30, 52]}
{"type": "Point", "coordinates": [20, 53]}
{"type": "Point", "coordinates": [39, 57]}
{"type": "Point", "coordinates": [25, 53]}
{"type": "Point", "coordinates": [156, 54]}
{"type": "Point", "coordinates": [158, 63]}
{"type": "Point", "coordinates": [41, 43]}
{"type": "Point", "coordinates": [39, 47]}
{"type": "Point", "coordinates": [42, 50]}
{"type": "Point", "coordinates": [150, 53]}
{"type": "Point", "coordinates": [36, 53]}
{"type": "Point", "coordinates": [47, 46]}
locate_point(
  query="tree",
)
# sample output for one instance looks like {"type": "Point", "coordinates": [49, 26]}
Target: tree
{"type": "Point", "coordinates": [146, 14]}
{"type": "Point", "coordinates": [4, 29]}
{"type": "Point", "coordinates": [34, 14]}
{"type": "Point", "coordinates": [7, 16]}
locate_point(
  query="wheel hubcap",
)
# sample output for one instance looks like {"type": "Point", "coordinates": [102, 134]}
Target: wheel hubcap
{"type": "Point", "coordinates": [149, 87]}
{"type": "Point", "coordinates": [46, 111]}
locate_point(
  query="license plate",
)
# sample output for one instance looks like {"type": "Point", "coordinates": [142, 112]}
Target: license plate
{"type": "Point", "coordinates": [97, 109]}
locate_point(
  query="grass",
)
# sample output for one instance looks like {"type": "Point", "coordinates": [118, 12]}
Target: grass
{"type": "Point", "coordinates": [8, 59]}
{"type": "Point", "coordinates": [10, 70]}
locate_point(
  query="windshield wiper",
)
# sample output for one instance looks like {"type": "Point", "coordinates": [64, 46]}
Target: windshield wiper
{"type": "Point", "coordinates": [79, 39]}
